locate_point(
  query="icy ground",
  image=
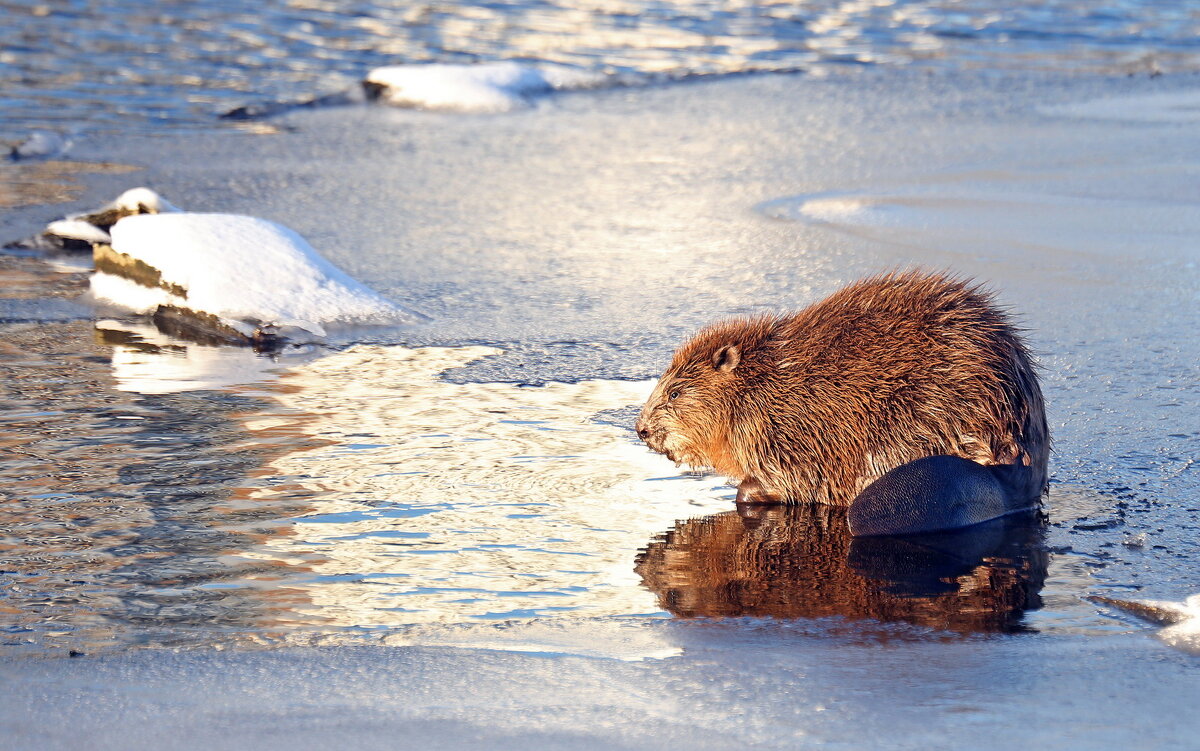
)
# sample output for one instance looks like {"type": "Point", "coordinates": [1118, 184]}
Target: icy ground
{"type": "Point", "coordinates": [581, 239]}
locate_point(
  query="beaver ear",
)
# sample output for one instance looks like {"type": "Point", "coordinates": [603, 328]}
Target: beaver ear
{"type": "Point", "coordinates": [726, 358]}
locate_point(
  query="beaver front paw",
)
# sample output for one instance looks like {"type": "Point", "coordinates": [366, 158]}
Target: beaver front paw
{"type": "Point", "coordinates": [752, 491]}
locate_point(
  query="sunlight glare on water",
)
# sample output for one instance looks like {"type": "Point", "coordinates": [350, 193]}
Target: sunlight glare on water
{"type": "Point", "coordinates": [447, 502]}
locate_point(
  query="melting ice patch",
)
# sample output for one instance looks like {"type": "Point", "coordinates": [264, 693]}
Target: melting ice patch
{"type": "Point", "coordinates": [40, 144]}
{"type": "Point", "coordinates": [845, 208]}
{"type": "Point", "coordinates": [237, 268]}
{"type": "Point", "coordinates": [1180, 620]}
{"type": "Point", "coordinates": [491, 87]}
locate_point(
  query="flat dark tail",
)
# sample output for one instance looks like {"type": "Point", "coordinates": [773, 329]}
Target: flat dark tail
{"type": "Point", "coordinates": [942, 492]}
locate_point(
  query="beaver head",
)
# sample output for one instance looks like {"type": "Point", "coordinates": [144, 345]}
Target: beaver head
{"type": "Point", "coordinates": [694, 410]}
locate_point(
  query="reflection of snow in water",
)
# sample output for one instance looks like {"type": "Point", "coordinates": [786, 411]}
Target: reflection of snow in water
{"type": "Point", "coordinates": [478, 502]}
{"type": "Point", "coordinates": [146, 361]}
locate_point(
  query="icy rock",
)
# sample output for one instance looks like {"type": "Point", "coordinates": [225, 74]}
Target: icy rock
{"type": "Point", "coordinates": [40, 144]}
{"type": "Point", "coordinates": [484, 88]}
{"type": "Point", "coordinates": [243, 278]}
{"type": "Point", "coordinates": [79, 232]}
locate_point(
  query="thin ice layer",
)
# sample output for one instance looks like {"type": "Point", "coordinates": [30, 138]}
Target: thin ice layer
{"type": "Point", "coordinates": [244, 268]}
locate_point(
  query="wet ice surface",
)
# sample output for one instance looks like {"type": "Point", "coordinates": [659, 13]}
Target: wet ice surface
{"type": "Point", "coordinates": [468, 483]}
{"type": "Point", "coordinates": [734, 685]}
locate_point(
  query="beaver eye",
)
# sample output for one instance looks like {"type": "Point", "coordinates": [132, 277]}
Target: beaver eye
{"type": "Point", "coordinates": [673, 395]}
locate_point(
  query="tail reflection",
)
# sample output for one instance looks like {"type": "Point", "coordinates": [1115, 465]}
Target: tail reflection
{"type": "Point", "coordinates": [801, 562]}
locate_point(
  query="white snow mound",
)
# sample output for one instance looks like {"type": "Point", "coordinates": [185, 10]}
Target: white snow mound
{"type": "Point", "coordinates": [489, 87]}
{"type": "Point", "coordinates": [136, 198]}
{"type": "Point", "coordinates": [244, 269]}
{"type": "Point", "coordinates": [83, 226]}
{"type": "Point", "coordinates": [77, 229]}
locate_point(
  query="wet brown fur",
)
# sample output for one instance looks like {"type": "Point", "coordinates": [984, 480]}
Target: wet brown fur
{"type": "Point", "coordinates": [819, 404]}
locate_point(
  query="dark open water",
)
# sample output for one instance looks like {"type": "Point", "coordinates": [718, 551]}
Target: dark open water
{"type": "Point", "coordinates": [77, 66]}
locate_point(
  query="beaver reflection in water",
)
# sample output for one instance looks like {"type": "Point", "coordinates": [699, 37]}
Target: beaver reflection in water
{"type": "Point", "coordinates": [908, 397]}
{"type": "Point", "coordinates": [801, 562]}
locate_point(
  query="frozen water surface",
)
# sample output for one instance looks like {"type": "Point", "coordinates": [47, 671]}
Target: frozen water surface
{"type": "Point", "coordinates": [776, 686]}
{"type": "Point", "coordinates": [442, 530]}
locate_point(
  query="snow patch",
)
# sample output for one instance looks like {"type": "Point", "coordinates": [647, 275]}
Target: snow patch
{"type": "Point", "coordinates": [77, 229]}
{"type": "Point", "coordinates": [142, 199]}
{"type": "Point", "coordinates": [492, 87]}
{"type": "Point", "coordinates": [1180, 620]}
{"type": "Point", "coordinates": [1184, 632]}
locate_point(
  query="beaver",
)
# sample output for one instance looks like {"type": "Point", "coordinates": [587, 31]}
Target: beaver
{"type": "Point", "coordinates": [908, 396]}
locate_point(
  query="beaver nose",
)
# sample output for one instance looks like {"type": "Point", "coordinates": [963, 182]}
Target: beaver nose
{"type": "Point", "coordinates": [642, 432]}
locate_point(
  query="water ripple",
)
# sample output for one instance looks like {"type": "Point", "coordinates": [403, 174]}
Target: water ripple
{"type": "Point", "coordinates": [115, 65]}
